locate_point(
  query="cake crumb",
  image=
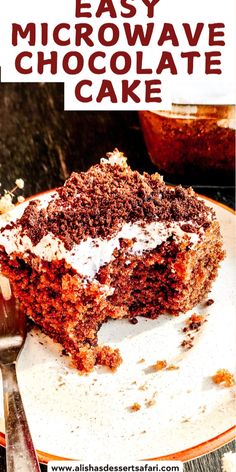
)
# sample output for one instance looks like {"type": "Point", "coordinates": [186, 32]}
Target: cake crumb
{"type": "Point", "coordinates": [150, 403]}
{"type": "Point", "coordinates": [210, 302]}
{"type": "Point", "coordinates": [163, 365]}
{"type": "Point", "coordinates": [187, 343]}
{"type": "Point", "coordinates": [133, 321]}
{"type": "Point", "coordinates": [159, 365]}
{"type": "Point", "coordinates": [185, 420]}
{"type": "Point", "coordinates": [224, 377]}
{"type": "Point", "coordinates": [172, 367]}
{"type": "Point", "coordinates": [108, 357]}
{"type": "Point", "coordinates": [141, 361]}
{"type": "Point", "coordinates": [62, 384]}
{"type": "Point", "coordinates": [135, 407]}
{"type": "Point", "coordinates": [194, 322]}
{"type": "Point", "coordinates": [143, 387]}
{"type": "Point", "coordinates": [64, 352]}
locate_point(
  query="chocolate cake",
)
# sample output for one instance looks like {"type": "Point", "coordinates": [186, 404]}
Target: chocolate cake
{"type": "Point", "coordinates": [110, 243]}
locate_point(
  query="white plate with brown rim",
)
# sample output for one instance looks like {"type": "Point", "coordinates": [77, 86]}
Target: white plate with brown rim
{"type": "Point", "coordinates": [180, 413]}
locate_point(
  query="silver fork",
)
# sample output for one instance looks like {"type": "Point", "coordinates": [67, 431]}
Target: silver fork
{"type": "Point", "coordinates": [20, 451]}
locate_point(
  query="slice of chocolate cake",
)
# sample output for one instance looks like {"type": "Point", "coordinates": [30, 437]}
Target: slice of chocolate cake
{"type": "Point", "coordinates": [110, 243]}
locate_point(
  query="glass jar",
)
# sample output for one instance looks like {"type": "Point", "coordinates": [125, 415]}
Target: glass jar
{"type": "Point", "coordinates": [194, 144]}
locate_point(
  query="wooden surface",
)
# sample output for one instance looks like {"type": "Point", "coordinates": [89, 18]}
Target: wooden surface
{"type": "Point", "coordinates": [42, 144]}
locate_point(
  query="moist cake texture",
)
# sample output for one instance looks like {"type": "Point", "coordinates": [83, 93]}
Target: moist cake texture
{"type": "Point", "coordinates": [110, 243]}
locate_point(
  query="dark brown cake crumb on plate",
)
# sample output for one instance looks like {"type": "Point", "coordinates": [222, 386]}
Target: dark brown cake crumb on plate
{"type": "Point", "coordinates": [187, 343]}
{"type": "Point", "coordinates": [210, 302]}
{"type": "Point", "coordinates": [194, 322]}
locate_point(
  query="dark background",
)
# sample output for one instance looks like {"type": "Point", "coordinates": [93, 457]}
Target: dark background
{"type": "Point", "coordinates": [42, 144]}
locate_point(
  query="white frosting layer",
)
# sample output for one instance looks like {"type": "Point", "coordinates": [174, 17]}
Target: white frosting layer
{"type": "Point", "coordinates": [90, 255]}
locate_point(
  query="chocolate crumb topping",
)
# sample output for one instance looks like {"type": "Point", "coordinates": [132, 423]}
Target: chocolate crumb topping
{"type": "Point", "coordinates": [187, 344]}
{"type": "Point", "coordinates": [98, 202]}
{"type": "Point", "coordinates": [33, 221]}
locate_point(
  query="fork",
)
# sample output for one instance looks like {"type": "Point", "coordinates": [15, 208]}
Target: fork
{"type": "Point", "coordinates": [20, 453]}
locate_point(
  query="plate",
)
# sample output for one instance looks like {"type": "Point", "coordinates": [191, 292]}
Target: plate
{"type": "Point", "coordinates": [182, 414]}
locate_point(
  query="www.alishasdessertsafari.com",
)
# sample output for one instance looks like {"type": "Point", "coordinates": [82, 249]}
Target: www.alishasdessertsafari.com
{"type": "Point", "coordinates": [71, 466]}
